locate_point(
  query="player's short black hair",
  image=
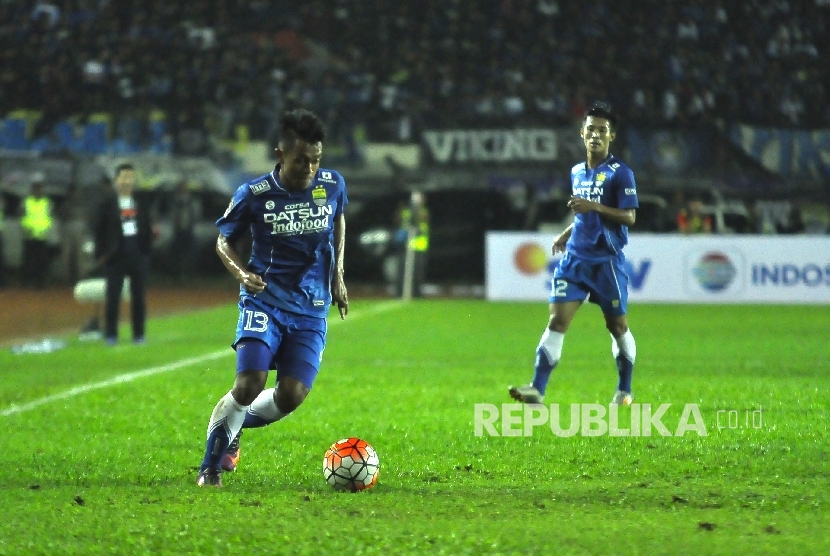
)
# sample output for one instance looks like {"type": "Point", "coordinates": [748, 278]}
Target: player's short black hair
{"type": "Point", "coordinates": [601, 109]}
{"type": "Point", "coordinates": [301, 124]}
{"type": "Point", "coordinates": [123, 166]}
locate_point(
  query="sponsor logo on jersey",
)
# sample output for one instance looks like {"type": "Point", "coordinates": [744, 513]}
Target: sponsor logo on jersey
{"type": "Point", "coordinates": [327, 177]}
{"type": "Point", "coordinates": [299, 219]}
{"type": "Point", "coordinates": [269, 205]}
{"type": "Point", "coordinates": [318, 195]}
{"type": "Point", "coordinates": [589, 192]}
{"type": "Point", "coordinates": [630, 191]}
{"type": "Point", "coordinates": [260, 187]}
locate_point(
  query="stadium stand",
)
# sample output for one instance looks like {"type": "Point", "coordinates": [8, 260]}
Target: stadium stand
{"type": "Point", "coordinates": [150, 76]}
{"type": "Point", "coordinates": [756, 62]}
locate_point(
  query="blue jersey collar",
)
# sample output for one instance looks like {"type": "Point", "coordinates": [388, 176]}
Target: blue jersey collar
{"type": "Point", "coordinates": [604, 161]}
{"type": "Point", "coordinates": [275, 176]}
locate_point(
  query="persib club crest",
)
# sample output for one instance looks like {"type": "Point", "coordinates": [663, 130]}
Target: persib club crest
{"type": "Point", "coordinates": [318, 195]}
{"type": "Point", "coordinates": [601, 177]}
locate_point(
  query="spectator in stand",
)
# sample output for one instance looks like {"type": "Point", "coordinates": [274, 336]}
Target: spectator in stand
{"type": "Point", "coordinates": [673, 211]}
{"type": "Point", "coordinates": [683, 61]}
{"type": "Point", "coordinates": [692, 219]}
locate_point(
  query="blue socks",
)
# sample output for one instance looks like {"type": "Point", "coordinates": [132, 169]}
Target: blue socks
{"type": "Point", "coordinates": [624, 350]}
{"type": "Point", "coordinates": [252, 421]}
{"type": "Point", "coordinates": [263, 410]}
{"type": "Point", "coordinates": [549, 352]}
{"type": "Point", "coordinates": [625, 368]}
{"type": "Point", "coordinates": [542, 371]}
{"type": "Point", "coordinates": [225, 422]}
{"type": "Point", "coordinates": [547, 356]}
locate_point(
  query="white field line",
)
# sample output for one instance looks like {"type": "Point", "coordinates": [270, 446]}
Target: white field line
{"type": "Point", "coordinates": [181, 363]}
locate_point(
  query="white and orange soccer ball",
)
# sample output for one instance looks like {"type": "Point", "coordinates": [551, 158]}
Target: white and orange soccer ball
{"type": "Point", "coordinates": [351, 464]}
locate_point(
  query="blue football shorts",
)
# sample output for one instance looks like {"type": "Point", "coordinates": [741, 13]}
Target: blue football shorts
{"type": "Point", "coordinates": [602, 282]}
{"type": "Point", "coordinates": [289, 343]}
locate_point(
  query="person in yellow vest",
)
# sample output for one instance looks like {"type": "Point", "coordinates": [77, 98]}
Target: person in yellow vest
{"type": "Point", "coordinates": [412, 221]}
{"type": "Point", "coordinates": [692, 220]}
{"type": "Point", "coordinates": [36, 225]}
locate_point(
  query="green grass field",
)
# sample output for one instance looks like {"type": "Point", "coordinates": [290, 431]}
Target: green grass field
{"type": "Point", "coordinates": [109, 468]}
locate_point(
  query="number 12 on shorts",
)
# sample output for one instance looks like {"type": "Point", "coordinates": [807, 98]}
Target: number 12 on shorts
{"type": "Point", "coordinates": [560, 287]}
{"type": "Point", "coordinates": [255, 321]}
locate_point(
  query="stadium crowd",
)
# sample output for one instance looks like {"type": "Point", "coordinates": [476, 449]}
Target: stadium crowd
{"type": "Point", "coordinates": [390, 66]}
{"type": "Point", "coordinates": [383, 70]}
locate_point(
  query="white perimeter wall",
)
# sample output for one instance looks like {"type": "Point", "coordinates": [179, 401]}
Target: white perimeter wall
{"type": "Point", "coordinates": [676, 268]}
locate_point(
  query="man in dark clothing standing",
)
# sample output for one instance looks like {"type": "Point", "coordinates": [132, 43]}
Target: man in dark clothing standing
{"type": "Point", "coordinates": [123, 239]}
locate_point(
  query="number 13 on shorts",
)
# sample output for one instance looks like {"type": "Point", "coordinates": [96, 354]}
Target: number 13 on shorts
{"type": "Point", "coordinates": [255, 321]}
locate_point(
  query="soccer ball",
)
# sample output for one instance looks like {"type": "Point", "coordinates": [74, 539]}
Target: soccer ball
{"type": "Point", "coordinates": [351, 464]}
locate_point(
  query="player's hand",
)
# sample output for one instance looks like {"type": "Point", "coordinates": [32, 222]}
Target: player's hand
{"type": "Point", "coordinates": [339, 296]}
{"type": "Point", "coordinates": [559, 243]}
{"type": "Point", "coordinates": [253, 283]}
{"type": "Point", "coordinates": [580, 206]}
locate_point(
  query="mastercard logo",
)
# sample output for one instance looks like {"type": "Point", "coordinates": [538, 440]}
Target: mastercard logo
{"type": "Point", "coordinates": [714, 271]}
{"type": "Point", "coordinates": [530, 258]}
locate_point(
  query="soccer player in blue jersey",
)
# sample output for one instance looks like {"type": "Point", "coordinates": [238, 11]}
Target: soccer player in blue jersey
{"type": "Point", "coordinates": [603, 200]}
{"type": "Point", "coordinates": [295, 215]}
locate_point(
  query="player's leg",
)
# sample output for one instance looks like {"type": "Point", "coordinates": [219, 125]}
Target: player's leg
{"type": "Point", "coordinates": [297, 359]}
{"type": "Point", "coordinates": [550, 345]}
{"type": "Point", "coordinates": [273, 404]}
{"type": "Point", "coordinates": [299, 342]}
{"type": "Point", "coordinates": [624, 350]}
{"type": "Point", "coordinates": [298, 362]}
{"type": "Point", "coordinates": [270, 406]}
{"type": "Point", "coordinates": [253, 359]}
{"type": "Point", "coordinates": [112, 302]}
{"type": "Point", "coordinates": [252, 354]}
{"type": "Point", "coordinates": [548, 352]}
{"type": "Point", "coordinates": [258, 334]}
{"type": "Point", "coordinates": [567, 294]}
{"type": "Point", "coordinates": [611, 293]}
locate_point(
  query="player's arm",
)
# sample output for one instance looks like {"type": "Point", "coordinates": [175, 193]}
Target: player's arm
{"type": "Point", "coordinates": [233, 262]}
{"type": "Point", "coordinates": [562, 240]}
{"type": "Point", "coordinates": [339, 296]}
{"type": "Point", "coordinates": [625, 216]}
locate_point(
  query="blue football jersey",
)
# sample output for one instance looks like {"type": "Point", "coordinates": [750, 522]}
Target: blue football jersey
{"type": "Point", "coordinates": [293, 238]}
{"type": "Point", "coordinates": [611, 184]}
